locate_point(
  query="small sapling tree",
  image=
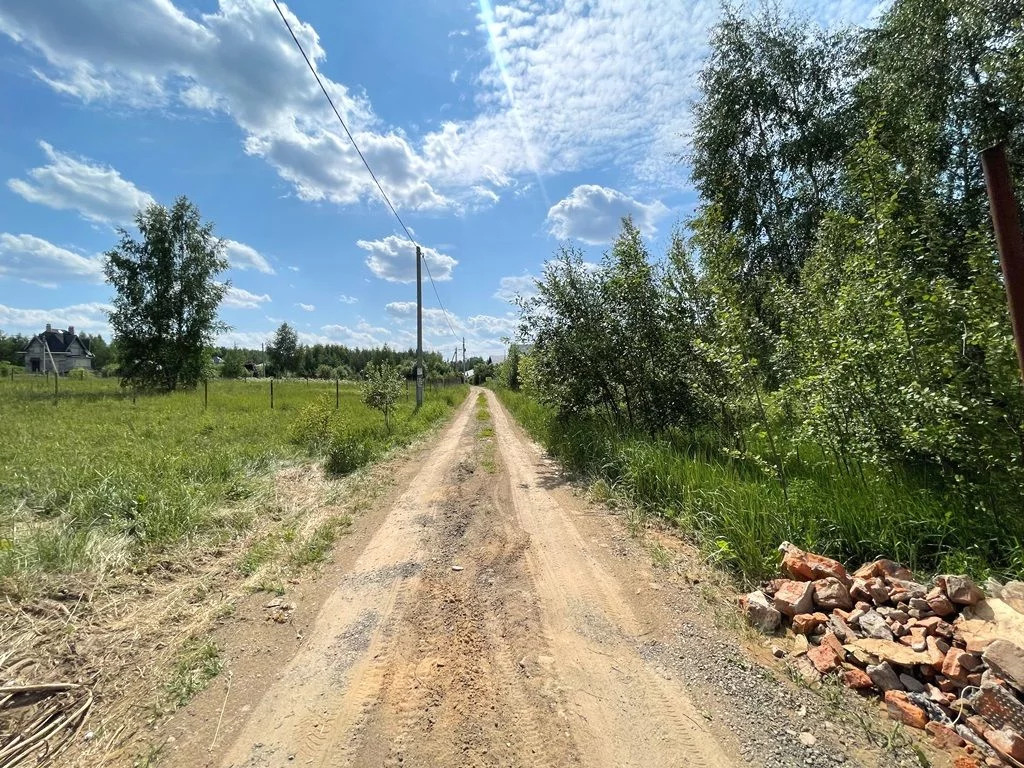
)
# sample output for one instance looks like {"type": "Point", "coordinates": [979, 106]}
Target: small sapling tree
{"type": "Point", "coordinates": [381, 389]}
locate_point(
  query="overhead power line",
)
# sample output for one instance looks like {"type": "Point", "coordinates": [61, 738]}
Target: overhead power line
{"type": "Point", "coordinates": [362, 157]}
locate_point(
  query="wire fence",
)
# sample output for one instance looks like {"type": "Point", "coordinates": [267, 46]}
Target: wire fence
{"type": "Point", "coordinates": [271, 393]}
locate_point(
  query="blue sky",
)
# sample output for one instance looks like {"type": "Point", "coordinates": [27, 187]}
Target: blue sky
{"type": "Point", "coordinates": [498, 131]}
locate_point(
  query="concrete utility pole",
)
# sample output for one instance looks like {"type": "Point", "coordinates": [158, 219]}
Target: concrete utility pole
{"type": "Point", "coordinates": [1006, 223]}
{"type": "Point", "coordinates": [419, 328]}
{"type": "Point", "coordinates": [463, 357]}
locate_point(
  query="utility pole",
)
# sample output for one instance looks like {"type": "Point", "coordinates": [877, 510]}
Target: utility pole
{"type": "Point", "coordinates": [463, 357]}
{"type": "Point", "coordinates": [419, 328]}
{"type": "Point", "coordinates": [1006, 223]}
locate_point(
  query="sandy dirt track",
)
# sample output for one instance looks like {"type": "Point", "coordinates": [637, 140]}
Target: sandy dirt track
{"type": "Point", "coordinates": [475, 627]}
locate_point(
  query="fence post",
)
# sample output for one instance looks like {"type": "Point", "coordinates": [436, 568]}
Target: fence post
{"type": "Point", "coordinates": [1006, 225]}
{"type": "Point", "coordinates": [271, 394]}
{"type": "Point", "coordinates": [55, 379]}
{"type": "Point", "coordinates": [337, 392]}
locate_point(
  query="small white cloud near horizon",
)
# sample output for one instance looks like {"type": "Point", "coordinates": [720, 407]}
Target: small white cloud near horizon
{"type": "Point", "coordinates": [346, 299]}
{"type": "Point", "coordinates": [239, 298]}
{"type": "Point", "coordinates": [305, 307]}
{"type": "Point", "coordinates": [593, 214]}
{"type": "Point", "coordinates": [97, 192]}
{"type": "Point", "coordinates": [242, 256]}
{"type": "Point", "coordinates": [513, 286]}
{"type": "Point", "coordinates": [393, 258]}
{"type": "Point", "coordinates": [34, 260]}
{"type": "Point", "coordinates": [90, 317]}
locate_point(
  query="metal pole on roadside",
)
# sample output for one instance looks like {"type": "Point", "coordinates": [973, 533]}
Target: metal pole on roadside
{"type": "Point", "coordinates": [419, 328]}
{"type": "Point", "coordinates": [1006, 223]}
{"type": "Point", "coordinates": [271, 394]}
{"type": "Point", "coordinates": [55, 379]}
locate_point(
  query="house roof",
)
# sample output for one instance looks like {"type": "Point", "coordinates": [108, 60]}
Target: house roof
{"type": "Point", "coordinates": [59, 341]}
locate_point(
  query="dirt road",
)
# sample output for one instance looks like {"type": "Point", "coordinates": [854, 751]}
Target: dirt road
{"type": "Point", "coordinates": [476, 627]}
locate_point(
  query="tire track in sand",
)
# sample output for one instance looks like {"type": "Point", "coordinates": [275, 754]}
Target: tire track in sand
{"type": "Point", "coordinates": [309, 715]}
{"type": "Point", "coordinates": [628, 714]}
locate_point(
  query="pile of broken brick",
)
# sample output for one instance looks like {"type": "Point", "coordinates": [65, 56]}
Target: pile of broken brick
{"type": "Point", "coordinates": [947, 658]}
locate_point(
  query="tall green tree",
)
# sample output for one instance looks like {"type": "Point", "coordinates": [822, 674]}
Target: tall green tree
{"type": "Point", "coordinates": [167, 295]}
{"type": "Point", "coordinates": [283, 351]}
{"type": "Point", "coordinates": [773, 121]}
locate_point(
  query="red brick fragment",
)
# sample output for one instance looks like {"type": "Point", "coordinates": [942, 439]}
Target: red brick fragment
{"type": "Point", "coordinates": [901, 709]}
{"type": "Point", "coordinates": [806, 623]}
{"type": "Point", "coordinates": [794, 597]}
{"type": "Point", "coordinates": [824, 658]}
{"type": "Point", "coordinates": [808, 566]}
{"type": "Point", "coordinates": [857, 679]}
{"type": "Point", "coordinates": [944, 736]}
{"type": "Point", "coordinates": [1006, 742]}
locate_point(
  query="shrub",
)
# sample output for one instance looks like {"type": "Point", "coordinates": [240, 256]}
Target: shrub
{"type": "Point", "coordinates": [312, 428]}
{"type": "Point", "coordinates": [349, 452]}
{"type": "Point", "coordinates": [324, 371]}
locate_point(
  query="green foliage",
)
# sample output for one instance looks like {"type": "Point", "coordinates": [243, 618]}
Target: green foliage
{"type": "Point", "coordinates": [234, 364]}
{"type": "Point", "coordinates": [510, 368]}
{"type": "Point", "coordinates": [324, 371]}
{"type": "Point", "coordinates": [198, 664]}
{"type": "Point", "coordinates": [827, 357]}
{"type": "Point", "coordinates": [283, 351]}
{"type": "Point", "coordinates": [11, 346]}
{"type": "Point", "coordinates": [381, 389]}
{"type": "Point", "coordinates": [167, 295]}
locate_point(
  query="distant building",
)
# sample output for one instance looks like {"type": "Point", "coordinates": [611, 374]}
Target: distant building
{"type": "Point", "coordinates": [469, 375]}
{"type": "Point", "coordinates": [62, 349]}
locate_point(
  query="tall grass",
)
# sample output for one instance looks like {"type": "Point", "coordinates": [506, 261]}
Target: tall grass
{"type": "Point", "coordinates": [736, 511]}
{"type": "Point", "coordinates": [97, 481]}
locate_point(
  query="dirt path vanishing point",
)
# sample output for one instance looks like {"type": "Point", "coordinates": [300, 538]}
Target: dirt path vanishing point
{"type": "Point", "coordinates": [475, 627]}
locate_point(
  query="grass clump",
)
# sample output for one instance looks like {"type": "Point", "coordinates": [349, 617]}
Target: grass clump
{"type": "Point", "coordinates": [198, 664]}
{"type": "Point", "coordinates": [317, 547]}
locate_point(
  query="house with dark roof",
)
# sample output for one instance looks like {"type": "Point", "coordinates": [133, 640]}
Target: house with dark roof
{"type": "Point", "coordinates": [56, 350]}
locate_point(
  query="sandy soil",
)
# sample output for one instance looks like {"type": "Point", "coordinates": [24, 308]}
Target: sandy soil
{"type": "Point", "coordinates": [474, 626]}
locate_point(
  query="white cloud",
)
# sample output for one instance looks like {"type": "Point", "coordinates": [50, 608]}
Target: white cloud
{"type": "Point", "coordinates": [293, 268]}
{"type": "Point", "coordinates": [345, 299]}
{"type": "Point", "coordinates": [514, 286]}
{"type": "Point", "coordinates": [393, 259]}
{"type": "Point", "coordinates": [559, 92]}
{"type": "Point", "coordinates": [91, 317]}
{"type": "Point", "coordinates": [97, 192]}
{"type": "Point", "coordinates": [34, 260]}
{"type": "Point", "coordinates": [151, 53]}
{"type": "Point", "coordinates": [240, 298]}
{"type": "Point", "coordinates": [363, 335]}
{"type": "Point", "coordinates": [242, 256]}
{"type": "Point", "coordinates": [306, 307]}
{"type": "Point", "coordinates": [482, 332]}
{"type": "Point", "coordinates": [593, 214]}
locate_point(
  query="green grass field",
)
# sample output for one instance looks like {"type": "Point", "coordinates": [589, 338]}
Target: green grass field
{"type": "Point", "coordinates": [737, 513]}
{"type": "Point", "coordinates": [98, 482]}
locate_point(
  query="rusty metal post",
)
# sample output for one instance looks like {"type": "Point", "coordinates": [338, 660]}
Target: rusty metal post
{"type": "Point", "coordinates": [1006, 223]}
